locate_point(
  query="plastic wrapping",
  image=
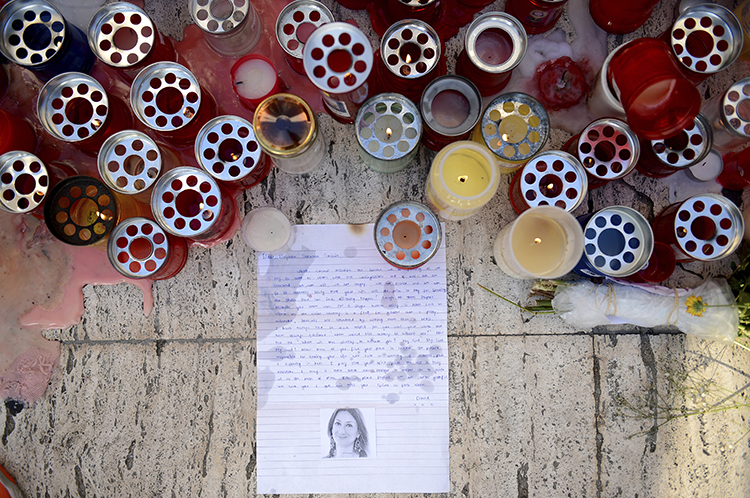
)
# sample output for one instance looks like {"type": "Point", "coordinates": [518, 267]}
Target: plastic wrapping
{"type": "Point", "coordinates": [706, 311]}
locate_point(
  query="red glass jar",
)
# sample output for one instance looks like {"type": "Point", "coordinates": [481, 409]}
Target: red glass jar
{"type": "Point", "coordinates": [658, 100]}
{"type": "Point", "coordinates": [736, 172]}
{"type": "Point", "coordinates": [15, 134]}
{"type": "Point", "coordinates": [429, 11]}
{"type": "Point", "coordinates": [619, 18]}
{"type": "Point", "coordinates": [537, 16]}
{"type": "Point", "coordinates": [295, 24]}
{"type": "Point", "coordinates": [660, 266]}
{"type": "Point", "coordinates": [451, 107]}
{"type": "Point", "coordinates": [24, 181]}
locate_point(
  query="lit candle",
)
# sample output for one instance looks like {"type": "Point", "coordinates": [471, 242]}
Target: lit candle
{"type": "Point", "coordinates": [254, 78]}
{"type": "Point", "coordinates": [463, 178]}
{"type": "Point", "coordinates": [543, 242]}
{"type": "Point", "coordinates": [552, 178]}
{"type": "Point", "coordinates": [266, 229]}
{"type": "Point", "coordinates": [407, 234]}
{"type": "Point", "coordinates": [388, 132]}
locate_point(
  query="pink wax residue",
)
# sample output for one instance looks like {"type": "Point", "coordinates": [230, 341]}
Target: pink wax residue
{"type": "Point", "coordinates": [27, 378]}
{"type": "Point", "coordinates": [494, 46]}
{"type": "Point", "coordinates": [450, 108]}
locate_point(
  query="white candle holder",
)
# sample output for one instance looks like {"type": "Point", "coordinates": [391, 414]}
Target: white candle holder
{"type": "Point", "coordinates": [24, 182]}
{"type": "Point", "coordinates": [232, 28]}
{"type": "Point", "coordinates": [129, 162]}
{"type": "Point", "coordinates": [603, 102]}
{"type": "Point", "coordinates": [295, 24]}
{"type": "Point", "coordinates": [389, 129]}
{"type": "Point", "coordinates": [543, 242]}
{"type": "Point", "coordinates": [267, 230]}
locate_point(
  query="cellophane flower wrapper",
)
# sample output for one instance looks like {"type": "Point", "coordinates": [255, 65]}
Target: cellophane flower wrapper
{"type": "Point", "coordinates": [584, 305]}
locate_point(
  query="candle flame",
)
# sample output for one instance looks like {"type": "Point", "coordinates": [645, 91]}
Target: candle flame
{"type": "Point", "coordinates": [388, 132]}
{"type": "Point", "coordinates": [504, 137]}
{"type": "Point", "coordinates": [408, 58]}
{"type": "Point", "coordinates": [537, 240]}
{"type": "Point", "coordinates": [551, 186]}
{"type": "Point", "coordinates": [463, 178]}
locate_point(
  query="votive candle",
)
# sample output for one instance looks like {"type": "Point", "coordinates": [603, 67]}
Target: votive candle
{"type": "Point", "coordinates": [267, 230]}
{"type": "Point", "coordinates": [254, 78]}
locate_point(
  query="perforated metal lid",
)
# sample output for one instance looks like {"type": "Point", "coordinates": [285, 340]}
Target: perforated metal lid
{"type": "Point", "coordinates": [129, 162]}
{"type": "Point", "coordinates": [296, 21]}
{"type": "Point", "coordinates": [121, 34]}
{"type": "Point", "coordinates": [407, 234]}
{"type": "Point", "coordinates": [72, 106]}
{"type": "Point", "coordinates": [217, 17]}
{"type": "Point", "coordinates": [736, 96]}
{"type": "Point", "coordinates": [138, 247]}
{"type": "Point", "coordinates": [618, 241]}
{"type": "Point", "coordinates": [226, 148]}
{"type": "Point", "coordinates": [708, 227]}
{"type": "Point", "coordinates": [165, 96]}
{"type": "Point", "coordinates": [502, 22]}
{"type": "Point", "coordinates": [688, 147]}
{"type": "Point", "coordinates": [186, 201]}
{"type": "Point", "coordinates": [33, 32]}
{"type": "Point", "coordinates": [515, 126]}
{"type": "Point", "coordinates": [388, 126]}
{"type": "Point", "coordinates": [608, 149]}
{"type": "Point", "coordinates": [347, 49]}
{"type": "Point", "coordinates": [417, 3]}
{"type": "Point", "coordinates": [457, 84]}
{"type": "Point", "coordinates": [554, 178]}
{"type": "Point", "coordinates": [707, 38]}
{"type": "Point", "coordinates": [285, 126]}
{"type": "Point", "coordinates": [410, 49]}
{"type": "Point", "coordinates": [23, 182]}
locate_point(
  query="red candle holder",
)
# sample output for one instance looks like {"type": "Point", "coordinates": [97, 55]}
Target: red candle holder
{"type": "Point", "coordinates": [736, 172]}
{"type": "Point", "coordinates": [660, 266]}
{"type": "Point", "coordinates": [429, 11]}
{"type": "Point", "coordinates": [705, 227]}
{"type": "Point", "coordinates": [658, 100]}
{"type": "Point", "coordinates": [552, 178]}
{"type": "Point", "coordinates": [495, 44]}
{"type": "Point", "coordinates": [129, 162]}
{"type": "Point", "coordinates": [537, 16]}
{"type": "Point", "coordinates": [705, 39]}
{"type": "Point", "coordinates": [620, 18]}
{"type": "Point", "coordinates": [75, 108]}
{"type": "Point", "coordinates": [15, 134]}
{"type": "Point", "coordinates": [608, 150]}
{"type": "Point", "coordinates": [354, 4]}
{"type": "Point", "coordinates": [476, 3]}
{"type": "Point", "coordinates": [254, 78]}
{"type": "Point", "coordinates": [450, 107]}
{"type": "Point", "coordinates": [411, 56]}
{"type": "Point", "coordinates": [661, 158]}
{"type": "Point", "coordinates": [338, 60]}
{"type": "Point", "coordinates": [232, 28]}
{"type": "Point", "coordinates": [295, 24]}
{"type": "Point", "coordinates": [139, 248]}
{"type": "Point", "coordinates": [24, 182]}
{"type": "Point", "coordinates": [227, 150]}
{"type": "Point", "coordinates": [729, 115]}
{"type": "Point", "coordinates": [187, 202]}
{"type": "Point", "coordinates": [123, 36]}
{"type": "Point", "coordinates": [167, 98]}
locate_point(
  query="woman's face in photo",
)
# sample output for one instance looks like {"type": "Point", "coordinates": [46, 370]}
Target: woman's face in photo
{"type": "Point", "coordinates": [345, 429]}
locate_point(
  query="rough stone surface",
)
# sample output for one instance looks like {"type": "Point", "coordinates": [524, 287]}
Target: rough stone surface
{"type": "Point", "coordinates": [165, 405]}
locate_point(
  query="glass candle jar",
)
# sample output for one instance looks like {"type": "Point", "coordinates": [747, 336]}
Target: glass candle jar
{"type": "Point", "coordinates": [543, 242]}
{"type": "Point", "coordinates": [389, 129]}
{"type": "Point", "coordinates": [129, 162]}
{"type": "Point", "coordinates": [123, 36]}
{"type": "Point", "coordinates": [450, 107]}
{"type": "Point", "coordinates": [35, 35]}
{"type": "Point", "coordinates": [660, 266]}
{"type": "Point", "coordinates": [495, 43]}
{"type": "Point", "coordinates": [168, 98]}
{"type": "Point", "coordinates": [139, 248]}
{"type": "Point", "coordinates": [187, 202]}
{"type": "Point", "coordinates": [729, 115]}
{"type": "Point", "coordinates": [232, 28]}
{"type": "Point", "coordinates": [551, 178]}
{"type": "Point", "coordinates": [603, 102]}
{"type": "Point", "coordinates": [295, 24]}
{"type": "Point", "coordinates": [287, 130]}
{"type": "Point", "coordinates": [515, 127]}
{"type": "Point", "coordinates": [254, 78]}
{"type": "Point", "coordinates": [537, 16]}
{"type": "Point", "coordinates": [463, 178]}
{"type": "Point", "coordinates": [227, 150]}
{"type": "Point", "coordinates": [266, 229]}
{"type": "Point", "coordinates": [608, 150]}
{"type": "Point", "coordinates": [620, 18]}
{"type": "Point", "coordinates": [407, 234]}
{"type": "Point", "coordinates": [658, 100]}
{"type": "Point", "coordinates": [411, 56]}
{"type": "Point", "coordinates": [618, 243]}
{"type": "Point", "coordinates": [15, 134]}
{"type": "Point", "coordinates": [429, 11]}
{"type": "Point", "coordinates": [661, 158]}
{"type": "Point", "coordinates": [706, 227]}
{"type": "Point", "coordinates": [736, 172]}
{"type": "Point", "coordinates": [75, 108]}
{"type": "Point", "coordinates": [24, 182]}
{"type": "Point", "coordinates": [338, 60]}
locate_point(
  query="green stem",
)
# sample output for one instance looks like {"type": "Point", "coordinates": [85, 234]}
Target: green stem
{"type": "Point", "coordinates": [537, 310]}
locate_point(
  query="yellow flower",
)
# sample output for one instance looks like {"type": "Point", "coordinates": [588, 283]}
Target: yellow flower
{"type": "Point", "coordinates": [695, 305]}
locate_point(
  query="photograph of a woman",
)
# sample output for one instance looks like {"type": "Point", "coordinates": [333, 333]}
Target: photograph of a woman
{"type": "Point", "coordinates": [347, 434]}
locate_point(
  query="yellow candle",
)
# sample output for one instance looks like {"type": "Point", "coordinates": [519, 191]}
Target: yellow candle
{"type": "Point", "coordinates": [543, 242]}
{"type": "Point", "coordinates": [463, 178]}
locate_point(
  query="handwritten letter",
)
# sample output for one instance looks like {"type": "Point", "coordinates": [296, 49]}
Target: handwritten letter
{"type": "Point", "coordinates": [352, 368]}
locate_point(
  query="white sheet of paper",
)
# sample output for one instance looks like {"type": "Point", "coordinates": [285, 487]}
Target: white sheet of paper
{"type": "Point", "coordinates": [339, 327]}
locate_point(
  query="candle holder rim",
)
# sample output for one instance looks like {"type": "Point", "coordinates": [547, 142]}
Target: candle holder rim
{"type": "Point", "coordinates": [7, 161]}
{"type": "Point", "coordinates": [14, 9]}
{"type": "Point", "coordinates": [406, 105]}
{"type": "Point", "coordinates": [642, 231]}
{"type": "Point", "coordinates": [504, 22]}
{"type": "Point", "coordinates": [436, 236]}
{"type": "Point", "coordinates": [459, 84]}
{"type": "Point", "coordinates": [95, 35]}
{"type": "Point", "coordinates": [536, 107]}
{"type": "Point", "coordinates": [105, 156]}
{"type": "Point", "coordinates": [572, 162]}
{"type": "Point", "coordinates": [141, 84]}
{"type": "Point", "coordinates": [419, 26]}
{"type": "Point", "coordinates": [726, 118]}
{"type": "Point", "coordinates": [492, 185]}
{"type": "Point", "coordinates": [632, 140]}
{"type": "Point", "coordinates": [280, 152]}
{"type": "Point", "coordinates": [120, 230]}
{"type": "Point", "coordinates": [703, 127]}
{"type": "Point", "coordinates": [204, 24]}
{"type": "Point", "coordinates": [201, 144]}
{"type": "Point", "coordinates": [283, 18]}
{"type": "Point", "coordinates": [733, 212]}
